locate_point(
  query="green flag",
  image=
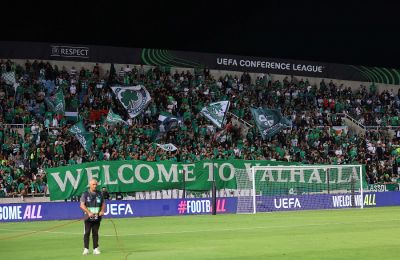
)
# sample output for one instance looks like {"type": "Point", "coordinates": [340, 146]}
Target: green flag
{"type": "Point", "coordinates": [113, 118]}
{"type": "Point", "coordinates": [269, 121]}
{"type": "Point", "coordinates": [84, 137]}
{"type": "Point", "coordinates": [59, 102]}
{"type": "Point", "coordinates": [215, 112]}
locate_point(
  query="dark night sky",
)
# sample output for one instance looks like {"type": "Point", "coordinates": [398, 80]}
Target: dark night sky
{"type": "Point", "coordinates": [356, 32]}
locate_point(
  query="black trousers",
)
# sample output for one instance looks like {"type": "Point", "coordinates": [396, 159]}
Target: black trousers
{"type": "Point", "coordinates": [91, 226]}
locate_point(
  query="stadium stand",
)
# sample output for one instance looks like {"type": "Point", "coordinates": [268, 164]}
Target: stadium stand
{"type": "Point", "coordinates": [33, 136]}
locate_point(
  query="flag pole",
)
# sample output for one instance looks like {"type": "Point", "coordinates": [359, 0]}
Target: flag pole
{"type": "Point", "coordinates": [213, 191]}
{"type": "Point", "coordinates": [184, 185]}
{"type": "Point", "coordinates": [227, 109]}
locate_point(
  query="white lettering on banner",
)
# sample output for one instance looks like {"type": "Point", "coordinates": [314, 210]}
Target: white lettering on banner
{"type": "Point", "coordinates": [248, 169]}
{"type": "Point", "coordinates": [93, 173]}
{"type": "Point", "coordinates": [139, 176]}
{"type": "Point", "coordinates": [189, 173]}
{"type": "Point", "coordinates": [340, 176]}
{"type": "Point", "coordinates": [121, 173]}
{"type": "Point", "coordinates": [68, 176]}
{"type": "Point", "coordinates": [377, 187]}
{"type": "Point", "coordinates": [231, 171]}
{"type": "Point", "coordinates": [307, 68]}
{"type": "Point", "coordinates": [107, 179]}
{"type": "Point", "coordinates": [121, 209]}
{"type": "Point", "coordinates": [10, 212]}
{"type": "Point", "coordinates": [144, 173]}
{"type": "Point", "coordinates": [173, 172]}
{"type": "Point", "coordinates": [226, 62]}
{"type": "Point", "coordinates": [370, 200]}
{"type": "Point", "coordinates": [201, 206]}
{"type": "Point", "coordinates": [198, 206]}
{"type": "Point", "coordinates": [342, 201]}
{"type": "Point", "coordinates": [297, 172]}
{"type": "Point", "coordinates": [210, 169]}
{"type": "Point", "coordinates": [70, 51]}
{"type": "Point", "coordinates": [280, 172]}
{"type": "Point", "coordinates": [315, 176]}
{"type": "Point", "coordinates": [32, 213]}
{"type": "Point", "coordinates": [267, 174]}
{"type": "Point", "coordinates": [264, 64]}
{"type": "Point", "coordinates": [15, 212]}
{"type": "Point", "coordinates": [286, 66]}
{"type": "Point", "coordinates": [287, 203]}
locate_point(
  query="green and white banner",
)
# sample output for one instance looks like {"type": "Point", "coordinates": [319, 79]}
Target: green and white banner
{"type": "Point", "coordinates": [59, 102]}
{"type": "Point", "coordinates": [134, 175]}
{"type": "Point", "coordinates": [269, 121]}
{"type": "Point", "coordinates": [84, 137]}
{"type": "Point", "coordinates": [215, 112]}
{"type": "Point", "coordinates": [378, 187]}
{"type": "Point", "coordinates": [113, 119]}
{"type": "Point", "coordinates": [134, 98]}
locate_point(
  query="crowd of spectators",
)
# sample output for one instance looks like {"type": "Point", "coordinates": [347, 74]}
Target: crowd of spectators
{"type": "Point", "coordinates": [33, 137]}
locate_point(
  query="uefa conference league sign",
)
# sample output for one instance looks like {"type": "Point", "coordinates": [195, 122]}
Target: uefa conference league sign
{"type": "Point", "coordinates": [250, 64]}
{"type": "Point", "coordinates": [182, 59]}
{"type": "Point", "coordinates": [156, 57]}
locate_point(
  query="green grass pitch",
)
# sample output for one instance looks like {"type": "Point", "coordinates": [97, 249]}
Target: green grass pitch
{"type": "Point", "coordinates": [372, 233]}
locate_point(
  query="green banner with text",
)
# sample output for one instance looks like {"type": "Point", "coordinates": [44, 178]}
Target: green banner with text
{"type": "Point", "coordinates": [131, 176]}
{"type": "Point", "coordinates": [383, 187]}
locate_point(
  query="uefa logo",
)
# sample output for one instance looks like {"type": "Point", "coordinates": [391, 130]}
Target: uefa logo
{"type": "Point", "coordinates": [55, 51]}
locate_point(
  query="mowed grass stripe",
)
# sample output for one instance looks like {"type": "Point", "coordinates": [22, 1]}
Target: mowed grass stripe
{"type": "Point", "coordinates": [327, 234]}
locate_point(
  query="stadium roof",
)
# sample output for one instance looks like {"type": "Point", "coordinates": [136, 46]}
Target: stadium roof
{"type": "Point", "coordinates": [358, 33]}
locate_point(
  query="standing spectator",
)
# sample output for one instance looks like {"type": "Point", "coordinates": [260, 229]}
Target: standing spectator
{"type": "Point", "coordinates": [96, 71]}
{"type": "Point", "coordinates": [22, 188]}
{"type": "Point", "coordinates": [93, 205]}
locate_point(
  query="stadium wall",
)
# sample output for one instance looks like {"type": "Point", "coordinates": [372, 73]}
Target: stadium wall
{"type": "Point", "coordinates": [222, 62]}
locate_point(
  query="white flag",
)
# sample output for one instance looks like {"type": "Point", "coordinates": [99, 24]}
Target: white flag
{"type": "Point", "coordinates": [113, 118]}
{"type": "Point", "coordinates": [9, 77]}
{"type": "Point", "coordinates": [167, 147]}
{"type": "Point", "coordinates": [216, 112]}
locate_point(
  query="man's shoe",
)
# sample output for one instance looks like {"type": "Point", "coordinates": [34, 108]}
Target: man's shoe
{"type": "Point", "coordinates": [85, 251]}
{"type": "Point", "coordinates": [96, 251]}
